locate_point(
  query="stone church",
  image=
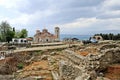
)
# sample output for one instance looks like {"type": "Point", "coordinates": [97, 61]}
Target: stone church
{"type": "Point", "coordinates": [44, 36]}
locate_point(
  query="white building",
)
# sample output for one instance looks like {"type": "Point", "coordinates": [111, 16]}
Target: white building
{"type": "Point", "coordinates": [19, 40]}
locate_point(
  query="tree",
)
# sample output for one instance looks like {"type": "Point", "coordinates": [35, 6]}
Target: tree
{"type": "Point", "coordinates": [23, 33]}
{"type": "Point", "coordinates": [6, 32]}
{"type": "Point", "coordinates": [17, 34]}
{"type": "Point", "coordinates": [110, 36]}
{"type": "Point", "coordinates": [10, 35]}
{"type": "Point", "coordinates": [0, 38]}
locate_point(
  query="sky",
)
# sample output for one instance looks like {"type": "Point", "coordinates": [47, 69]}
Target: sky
{"type": "Point", "coordinates": [72, 16]}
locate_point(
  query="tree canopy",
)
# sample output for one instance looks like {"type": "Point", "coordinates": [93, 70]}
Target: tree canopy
{"type": "Point", "coordinates": [21, 34]}
{"type": "Point", "coordinates": [110, 36]}
{"type": "Point", "coordinates": [7, 32]}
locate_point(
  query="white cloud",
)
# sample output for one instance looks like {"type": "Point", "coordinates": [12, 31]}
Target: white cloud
{"type": "Point", "coordinates": [69, 14]}
{"type": "Point", "coordinates": [14, 4]}
{"type": "Point", "coordinates": [23, 19]}
{"type": "Point", "coordinates": [84, 25]}
{"type": "Point", "coordinates": [108, 4]}
{"type": "Point", "coordinates": [109, 9]}
{"type": "Point", "coordinates": [30, 18]}
{"type": "Point", "coordinates": [81, 23]}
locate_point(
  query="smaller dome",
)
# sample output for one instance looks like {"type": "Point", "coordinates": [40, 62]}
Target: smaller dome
{"type": "Point", "coordinates": [37, 31]}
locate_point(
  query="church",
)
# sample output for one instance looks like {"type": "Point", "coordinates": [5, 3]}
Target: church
{"type": "Point", "coordinates": [45, 36]}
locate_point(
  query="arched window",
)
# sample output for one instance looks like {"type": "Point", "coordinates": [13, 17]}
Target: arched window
{"type": "Point", "coordinates": [98, 38]}
{"type": "Point", "coordinates": [47, 40]}
{"type": "Point", "coordinates": [21, 41]}
{"type": "Point", "coordinates": [15, 40]}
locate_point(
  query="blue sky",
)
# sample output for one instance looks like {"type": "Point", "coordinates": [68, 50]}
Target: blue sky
{"type": "Point", "coordinates": [72, 16]}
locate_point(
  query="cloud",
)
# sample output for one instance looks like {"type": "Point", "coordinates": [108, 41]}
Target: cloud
{"type": "Point", "coordinates": [28, 19]}
{"type": "Point", "coordinates": [109, 14]}
{"type": "Point", "coordinates": [111, 4]}
{"type": "Point", "coordinates": [90, 25]}
{"type": "Point", "coordinates": [14, 4]}
{"type": "Point", "coordinates": [109, 9]}
{"type": "Point", "coordinates": [76, 16]}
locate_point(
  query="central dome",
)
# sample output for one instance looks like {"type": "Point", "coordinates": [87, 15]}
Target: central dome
{"type": "Point", "coordinates": [45, 30]}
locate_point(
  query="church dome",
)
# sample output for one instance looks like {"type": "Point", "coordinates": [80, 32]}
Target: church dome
{"type": "Point", "coordinates": [37, 31]}
{"type": "Point", "coordinates": [45, 30]}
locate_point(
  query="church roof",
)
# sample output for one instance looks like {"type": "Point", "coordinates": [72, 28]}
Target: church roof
{"type": "Point", "coordinates": [44, 33]}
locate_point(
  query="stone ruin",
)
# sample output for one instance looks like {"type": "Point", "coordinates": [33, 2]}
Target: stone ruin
{"type": "Point", "coordinates": [89, 67]}
{"type": "Point", "coordinates": [68, 64]}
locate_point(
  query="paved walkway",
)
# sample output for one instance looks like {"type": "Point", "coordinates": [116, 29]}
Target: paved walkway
{"type": "Point", "coordinates": [42, 48]}
{"type": "Point", "coordinates": [48, 44]}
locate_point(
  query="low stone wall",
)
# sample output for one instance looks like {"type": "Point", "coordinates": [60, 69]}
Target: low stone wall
{"type": "Point", "coordinates": [84, 67]}
{"type": "Point", "coordinates": [89, 61]}
{"type": "Point", "coordinates": [75, 58]}
{"type": "Point", "coordinates": [108, 46]}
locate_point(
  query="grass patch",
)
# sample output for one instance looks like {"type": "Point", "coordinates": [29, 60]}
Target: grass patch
{"type": "Point", "coordinates": [20, 65]}
{"type": "Point", "coordinates": [40, 52]}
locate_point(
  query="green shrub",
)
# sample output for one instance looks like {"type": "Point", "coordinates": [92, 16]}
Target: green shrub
{"type": "Point", "coordinates": [39, 52]}
{"type": "Point", "coordinates": [20, 66]}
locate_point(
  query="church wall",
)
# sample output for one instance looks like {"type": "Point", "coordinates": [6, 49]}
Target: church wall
{"type": "Point", "coordinates": [45, 36]}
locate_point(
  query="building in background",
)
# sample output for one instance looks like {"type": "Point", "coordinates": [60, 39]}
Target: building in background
{"type": "Point", "coordinates": [45, 36]}
{"type": "Point", "coordinates": [19, 40]}
{"type": "Point", "coordinates": [98, 38]}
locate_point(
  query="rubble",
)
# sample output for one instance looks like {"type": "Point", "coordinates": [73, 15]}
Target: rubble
{"type": "Point", "coordinates": [75, 63]}
{"type": "Point", "coordinates": [90, 64]}
{"type": "Point", "coordinates": [8, 66]}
